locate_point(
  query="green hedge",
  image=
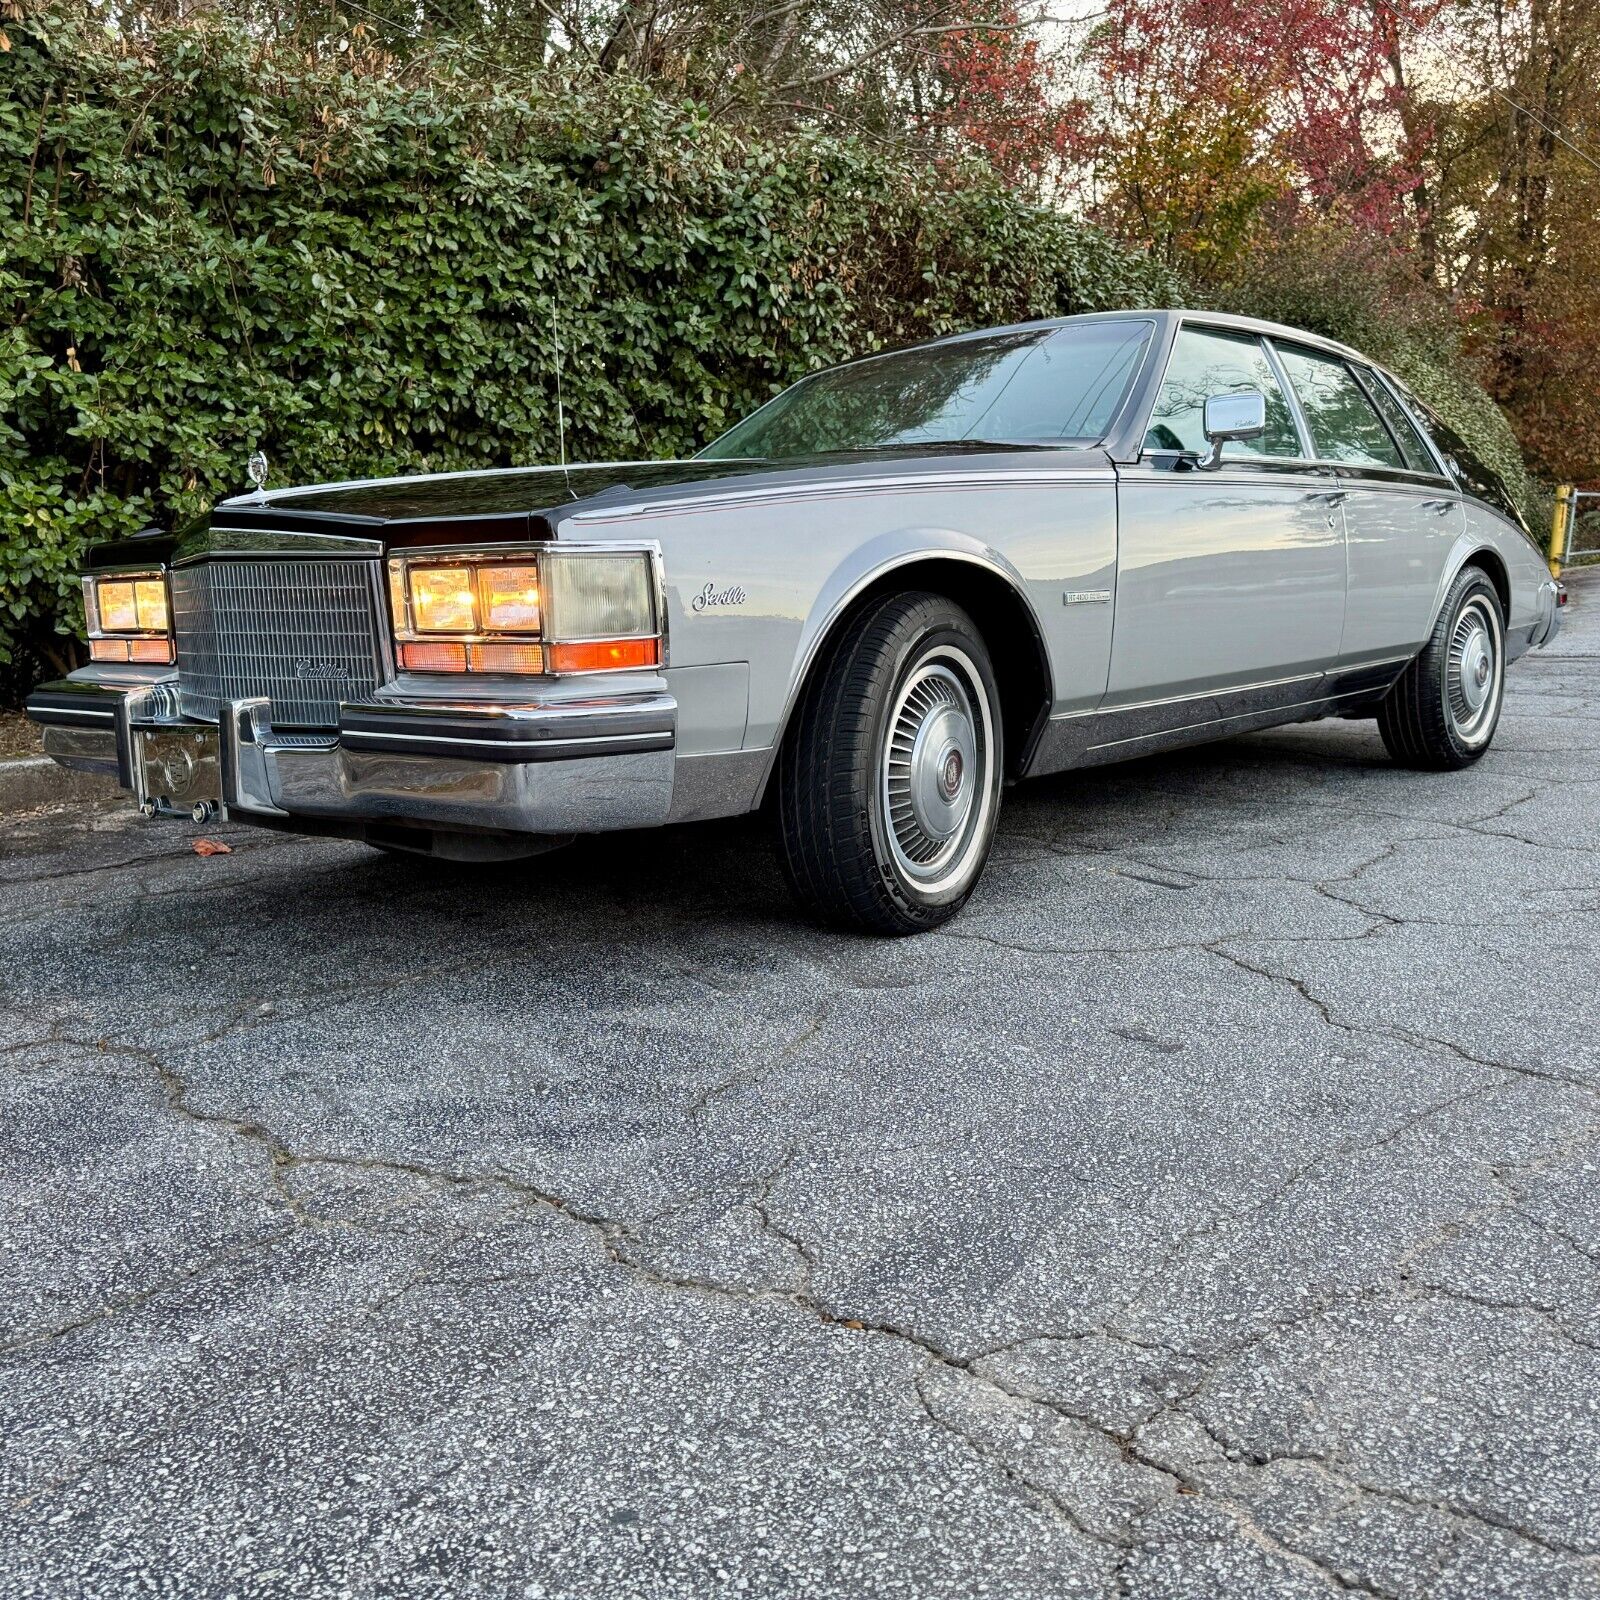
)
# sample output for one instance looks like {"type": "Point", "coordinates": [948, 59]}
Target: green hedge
{"type": "Point", "coordinates": [210, 244]}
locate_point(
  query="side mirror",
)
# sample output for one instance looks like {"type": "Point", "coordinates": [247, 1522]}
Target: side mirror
{"type": "Point", "coordinates": [1232, 416]}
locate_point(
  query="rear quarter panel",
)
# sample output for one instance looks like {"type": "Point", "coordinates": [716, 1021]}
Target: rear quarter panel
{"type": "Point", "coordinates": [1525, 566]}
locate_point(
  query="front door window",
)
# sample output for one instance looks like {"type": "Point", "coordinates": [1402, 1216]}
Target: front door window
{"type": "Point", "coordinates": [1208, 361]}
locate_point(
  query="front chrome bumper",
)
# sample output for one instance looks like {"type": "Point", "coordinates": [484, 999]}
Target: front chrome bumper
{"type": "Point", "coordinates": [540, 767]}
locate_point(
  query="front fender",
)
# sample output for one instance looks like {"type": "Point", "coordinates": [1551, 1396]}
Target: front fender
{"type": "Point", "coordinates": [867, 565]}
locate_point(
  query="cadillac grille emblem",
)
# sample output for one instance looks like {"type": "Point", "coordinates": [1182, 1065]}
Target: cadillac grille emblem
{"type": "Point", "coordinates": [321, 671]}
{"type": "Point", "coordinates": [256, 466]}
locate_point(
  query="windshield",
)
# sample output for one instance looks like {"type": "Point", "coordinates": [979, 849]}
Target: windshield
{"type": "Point", "coordinates": [1038, 386]}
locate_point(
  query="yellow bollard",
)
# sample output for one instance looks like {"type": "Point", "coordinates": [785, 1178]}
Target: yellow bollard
{"type": "Point", "coordinates": [1560, 527]}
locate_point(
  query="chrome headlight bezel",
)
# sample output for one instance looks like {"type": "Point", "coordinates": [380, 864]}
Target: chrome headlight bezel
{"type": "Point", "coordinates": [147, 638]}
{"type": "Point", "coordinates": [575, 633]}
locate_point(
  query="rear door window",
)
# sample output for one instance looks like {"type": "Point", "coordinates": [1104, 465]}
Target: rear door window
{"type": "Point", "coordinates": [1344, 426]}
{"type": "Point", "coordinates": [1418, 457]}
{"type": "Point", "coordinates": [1473, 475]}
{"type": "Point", "coordinates": [1208, 361]}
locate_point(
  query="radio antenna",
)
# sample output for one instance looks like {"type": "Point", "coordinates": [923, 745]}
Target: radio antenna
{"type": "Point", "coordinates": [561, 410]}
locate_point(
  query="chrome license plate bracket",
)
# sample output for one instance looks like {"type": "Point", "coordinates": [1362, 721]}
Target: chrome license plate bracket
{"type": "Point", "coordinates": [177, 771]}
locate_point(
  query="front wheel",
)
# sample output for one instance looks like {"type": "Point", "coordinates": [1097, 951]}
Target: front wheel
{"type": "Point", "coordinates": [889, 781]}
{"type": "Point", "coordinates": [1442, 713]}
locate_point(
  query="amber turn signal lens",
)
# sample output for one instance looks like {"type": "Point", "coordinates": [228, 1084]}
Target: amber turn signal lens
{"type": "Point", "coordinates": [108, 649]}
{"type": "Point", "coordinates": [605, 655]}
{"type": "Point", "coordinates": [508, 598]}
{"type": "Point", "coordinates": [442, 600]}
{"type": "Point", "coordinates": [439, 657]}
{"type": "Point", "coordinates": [505, 657]}
{"type": "Point", "coordinates": [156, 650]}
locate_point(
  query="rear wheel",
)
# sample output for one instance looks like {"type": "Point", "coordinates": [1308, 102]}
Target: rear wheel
{"type": "Point", "coordinates": [889, 782]}
{"type": "Point", "coordinates": [1443, 712]}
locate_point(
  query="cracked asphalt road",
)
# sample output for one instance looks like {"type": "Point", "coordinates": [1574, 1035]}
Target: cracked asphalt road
{"type": "Point", "coordinates": [1211, 1211]}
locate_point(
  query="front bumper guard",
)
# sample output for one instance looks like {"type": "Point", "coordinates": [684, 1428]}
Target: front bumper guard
{"type": "Point", "coordinates": [557, 767]}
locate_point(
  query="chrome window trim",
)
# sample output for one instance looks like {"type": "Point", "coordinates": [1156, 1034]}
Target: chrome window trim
{"type": "Point", "coordinates": [1420, 424]}
{"type": "Point", "coordinates": [1302, 423]}
{"type": "Point", "coordinates": [1284, 466]}
{"type": "Point", "coordinates": [1350, 366]}
{"type": "Point", "coordinates": [1367, 378]}
{"type": "Point", "coordinates": [1424, 483]}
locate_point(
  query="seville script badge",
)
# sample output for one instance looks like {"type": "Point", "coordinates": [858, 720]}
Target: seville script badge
{"type": "Point", "coordinates": [711, 596]}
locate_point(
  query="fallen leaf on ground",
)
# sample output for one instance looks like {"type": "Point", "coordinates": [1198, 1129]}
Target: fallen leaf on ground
{"type": "Point", "coordinates": [212, 847]}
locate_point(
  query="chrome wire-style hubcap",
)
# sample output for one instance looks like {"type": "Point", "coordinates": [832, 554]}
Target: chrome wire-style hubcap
{"type": "Point", "coordinates": [1472, 671]}
{"type": "Point", "coordinates": [936, 788]}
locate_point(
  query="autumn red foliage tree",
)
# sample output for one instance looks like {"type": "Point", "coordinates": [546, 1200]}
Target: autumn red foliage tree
{"type": "Point", "coordinates": [1004, 96]}
{"type": "Point", "coordinates": [1217, 119]}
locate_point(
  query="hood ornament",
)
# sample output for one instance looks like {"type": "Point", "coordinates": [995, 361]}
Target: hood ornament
{"type": "Point", "coordinates": [256, 467]}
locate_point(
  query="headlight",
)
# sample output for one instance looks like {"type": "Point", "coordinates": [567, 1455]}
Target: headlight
{"type": "Point", "coordinates": [524, 611]}
{"type": "Point", "coordinates": [442, 601]}
{"type": "Point", "coordinates": [128, 617]}
{"type": "Point", "coordinates": [508, 598]}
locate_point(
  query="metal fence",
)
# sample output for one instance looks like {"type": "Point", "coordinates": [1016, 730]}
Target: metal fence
{"type": "Point", "coordinates": [1575, 530]}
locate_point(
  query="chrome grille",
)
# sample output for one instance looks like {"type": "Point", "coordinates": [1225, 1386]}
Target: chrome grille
{"type": "Point", "coordinates": [306, 634]}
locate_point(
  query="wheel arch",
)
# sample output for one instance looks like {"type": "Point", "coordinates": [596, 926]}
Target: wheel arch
{"type": "Point", "coordinates": [1470, 552]}
{"type": "Point", "coordinates": [989, 593]}
{"type": "Point", "coordinates": [1493, 565]}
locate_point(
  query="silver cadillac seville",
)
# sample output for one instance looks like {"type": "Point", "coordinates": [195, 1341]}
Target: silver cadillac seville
{"type": "Point", "coordinates": [896, 587]}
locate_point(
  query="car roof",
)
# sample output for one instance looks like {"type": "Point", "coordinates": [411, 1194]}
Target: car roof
{"type": "Point", "coordinates": [1164, 314]}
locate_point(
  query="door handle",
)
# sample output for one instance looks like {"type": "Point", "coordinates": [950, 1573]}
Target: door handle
{"type": "Point", "coordinates": [1440, 508]}
{"type": "Point", "coordinates": [1332, 499]}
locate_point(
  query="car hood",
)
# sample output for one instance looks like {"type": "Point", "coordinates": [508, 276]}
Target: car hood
{"type": "Point", "coordinates": [553, 492]}
{"type": "Point", "coordinates": [521, 503]}
{"type": "Point", "coordinates": [512, 490]}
